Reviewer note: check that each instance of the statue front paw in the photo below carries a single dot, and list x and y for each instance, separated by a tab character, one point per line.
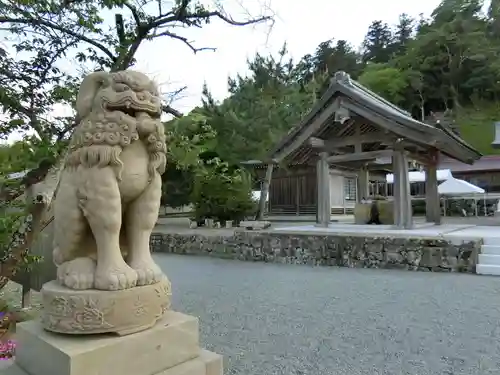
115	277
147	270
77	274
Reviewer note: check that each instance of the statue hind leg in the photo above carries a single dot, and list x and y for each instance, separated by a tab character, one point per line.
100	201
141	217
74	269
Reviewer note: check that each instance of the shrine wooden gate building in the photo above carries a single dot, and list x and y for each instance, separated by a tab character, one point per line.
352	136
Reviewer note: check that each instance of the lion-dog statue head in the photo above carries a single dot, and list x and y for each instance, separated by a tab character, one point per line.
117	109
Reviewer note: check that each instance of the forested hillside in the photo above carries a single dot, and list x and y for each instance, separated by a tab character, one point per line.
447	64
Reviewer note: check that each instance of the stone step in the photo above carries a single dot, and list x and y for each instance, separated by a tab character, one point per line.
490	250
207	363
491	241
489	259
487	269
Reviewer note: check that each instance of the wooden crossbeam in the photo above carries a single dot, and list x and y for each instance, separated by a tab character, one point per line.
351	140
310	129
360	156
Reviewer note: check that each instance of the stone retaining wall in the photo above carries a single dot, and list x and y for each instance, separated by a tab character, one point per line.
331	250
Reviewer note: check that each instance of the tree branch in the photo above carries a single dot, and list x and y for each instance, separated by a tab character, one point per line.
184	40
172	111
35	123
39	22
178	15
124	61
181	16
135	13
120	30
162	20
176	93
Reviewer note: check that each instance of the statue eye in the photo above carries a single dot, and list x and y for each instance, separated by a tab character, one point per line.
121	87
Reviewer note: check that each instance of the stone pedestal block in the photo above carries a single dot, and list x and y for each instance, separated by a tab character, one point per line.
171	347
95	311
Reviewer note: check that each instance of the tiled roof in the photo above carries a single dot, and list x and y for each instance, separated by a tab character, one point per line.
385	112
486	163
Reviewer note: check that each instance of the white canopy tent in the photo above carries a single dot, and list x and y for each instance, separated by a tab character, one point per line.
455	186
462	189
419	176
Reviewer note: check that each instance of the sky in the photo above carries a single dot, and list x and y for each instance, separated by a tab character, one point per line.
301	24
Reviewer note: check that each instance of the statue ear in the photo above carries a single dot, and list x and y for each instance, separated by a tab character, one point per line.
88	90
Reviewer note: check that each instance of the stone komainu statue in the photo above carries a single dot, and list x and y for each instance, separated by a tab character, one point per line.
110	188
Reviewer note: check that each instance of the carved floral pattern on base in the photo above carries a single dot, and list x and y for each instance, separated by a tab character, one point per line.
102	311
78	313
161	290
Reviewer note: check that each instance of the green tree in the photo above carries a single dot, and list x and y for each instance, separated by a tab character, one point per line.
222	192
188	137
377	46
386	81
42	35
14	254
78	27
402	34
261	108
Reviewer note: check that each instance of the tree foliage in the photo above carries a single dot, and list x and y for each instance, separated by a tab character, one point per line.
188	138
260	109
387	81
46	48
447	63
46	34
222	192
444	67
15	216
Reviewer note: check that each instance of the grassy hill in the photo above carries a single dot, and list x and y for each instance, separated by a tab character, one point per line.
476	125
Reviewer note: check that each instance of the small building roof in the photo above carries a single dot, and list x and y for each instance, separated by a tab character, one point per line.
326	119
488	163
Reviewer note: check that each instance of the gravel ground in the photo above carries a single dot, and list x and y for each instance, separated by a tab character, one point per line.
299	320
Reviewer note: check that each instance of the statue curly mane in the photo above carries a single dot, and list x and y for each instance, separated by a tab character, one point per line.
106	129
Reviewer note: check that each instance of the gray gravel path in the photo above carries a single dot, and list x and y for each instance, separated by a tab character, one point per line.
297	320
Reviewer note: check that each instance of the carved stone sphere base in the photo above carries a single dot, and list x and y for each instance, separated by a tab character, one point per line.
96	311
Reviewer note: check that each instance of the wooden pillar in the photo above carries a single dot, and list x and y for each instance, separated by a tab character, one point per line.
264	192
26	289
403	217
363	184
323	181
406	194
396	183
432	206
297	195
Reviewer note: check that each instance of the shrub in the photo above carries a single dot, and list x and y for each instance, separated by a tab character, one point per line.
222	192
15	224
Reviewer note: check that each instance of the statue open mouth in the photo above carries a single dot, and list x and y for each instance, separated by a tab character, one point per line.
134	110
